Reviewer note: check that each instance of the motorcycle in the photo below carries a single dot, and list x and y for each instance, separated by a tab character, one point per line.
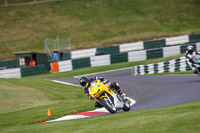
196	63
108	97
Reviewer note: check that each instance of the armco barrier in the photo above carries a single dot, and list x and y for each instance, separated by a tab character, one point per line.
155	53
194	38
134	46
10	73
146	45
177	40
100	60
154	44
137	56
109	50
79	63
83	53
65	66
121	57
131	47
174	65
171	51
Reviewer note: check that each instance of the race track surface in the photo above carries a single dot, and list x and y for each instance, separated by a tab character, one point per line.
153	91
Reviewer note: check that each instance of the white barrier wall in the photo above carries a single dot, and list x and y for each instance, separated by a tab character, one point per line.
177	40
10	73
183	64
131	46
161	67
65	66
137	56
151	68
100	60
171	51
198	46
83	53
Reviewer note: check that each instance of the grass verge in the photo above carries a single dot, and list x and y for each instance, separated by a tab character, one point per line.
182	118
27	100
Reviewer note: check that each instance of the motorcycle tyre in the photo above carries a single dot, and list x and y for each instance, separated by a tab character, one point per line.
126	108
104	103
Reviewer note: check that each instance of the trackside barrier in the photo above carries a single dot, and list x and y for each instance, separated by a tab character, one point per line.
177	40
131	46
137	51
10	73
79	63
171	51
61	66
103	60
9	64
109	50
34	70
65	66
134	46
83	53
174	65
137	56
100	60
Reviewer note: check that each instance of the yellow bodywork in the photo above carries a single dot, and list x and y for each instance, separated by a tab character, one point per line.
98	89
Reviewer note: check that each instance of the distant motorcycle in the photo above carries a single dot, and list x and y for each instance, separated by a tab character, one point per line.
196	63
109	98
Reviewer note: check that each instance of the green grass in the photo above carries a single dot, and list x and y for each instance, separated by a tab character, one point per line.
94	23
177	119
26	101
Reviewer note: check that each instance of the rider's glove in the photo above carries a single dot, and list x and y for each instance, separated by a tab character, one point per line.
90	97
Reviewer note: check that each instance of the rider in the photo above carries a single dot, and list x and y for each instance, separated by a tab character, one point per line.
85	82
190	53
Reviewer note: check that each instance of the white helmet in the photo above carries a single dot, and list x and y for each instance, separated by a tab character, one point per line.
190	49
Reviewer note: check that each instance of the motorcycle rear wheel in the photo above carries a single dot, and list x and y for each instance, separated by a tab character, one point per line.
109	106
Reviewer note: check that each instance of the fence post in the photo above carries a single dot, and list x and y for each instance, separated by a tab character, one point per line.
6	4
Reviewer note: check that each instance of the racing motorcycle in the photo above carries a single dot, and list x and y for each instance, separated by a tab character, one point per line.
196	63
108	97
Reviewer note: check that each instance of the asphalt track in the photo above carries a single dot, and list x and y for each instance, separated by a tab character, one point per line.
153	91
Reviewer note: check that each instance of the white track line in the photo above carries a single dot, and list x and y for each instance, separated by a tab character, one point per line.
62	82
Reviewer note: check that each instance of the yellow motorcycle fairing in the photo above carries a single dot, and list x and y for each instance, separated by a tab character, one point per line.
98	91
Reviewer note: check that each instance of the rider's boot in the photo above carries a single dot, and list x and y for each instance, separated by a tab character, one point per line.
117	88
194	70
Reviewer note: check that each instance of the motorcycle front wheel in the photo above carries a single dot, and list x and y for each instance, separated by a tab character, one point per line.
108	105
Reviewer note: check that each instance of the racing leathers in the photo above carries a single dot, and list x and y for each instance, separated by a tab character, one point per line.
104	81
189	56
